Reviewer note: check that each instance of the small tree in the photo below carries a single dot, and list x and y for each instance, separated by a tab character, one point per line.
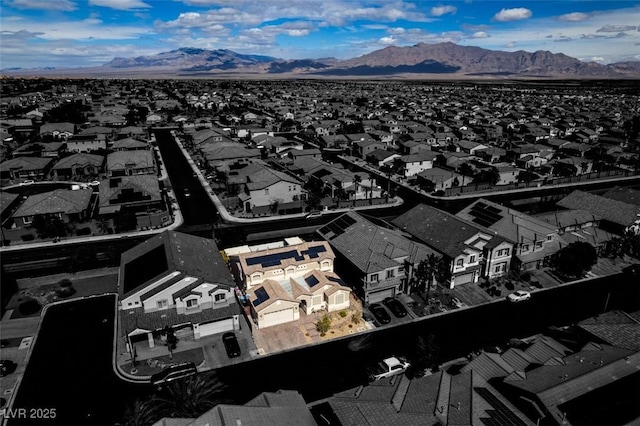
65	288
574	259
323	325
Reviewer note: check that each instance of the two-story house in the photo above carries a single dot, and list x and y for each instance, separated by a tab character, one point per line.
378	260
175	280
412	164
471	251
535	241
281	280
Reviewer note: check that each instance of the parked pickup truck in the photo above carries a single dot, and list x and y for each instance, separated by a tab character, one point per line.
388	367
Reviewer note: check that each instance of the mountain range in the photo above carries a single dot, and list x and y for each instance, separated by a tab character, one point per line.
421	60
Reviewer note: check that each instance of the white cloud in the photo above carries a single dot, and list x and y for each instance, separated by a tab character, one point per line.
397	30
443	10
120	4
480	34
387	40
516	14
61	5
87	29
574	17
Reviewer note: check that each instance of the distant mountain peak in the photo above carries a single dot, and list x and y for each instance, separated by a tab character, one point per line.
419	59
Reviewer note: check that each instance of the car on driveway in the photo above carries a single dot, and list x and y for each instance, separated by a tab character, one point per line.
187	193
231	344
380	313
395	307
27	182
519	296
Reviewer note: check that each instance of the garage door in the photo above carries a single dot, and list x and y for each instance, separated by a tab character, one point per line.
463	279
379	296
216	327
277	317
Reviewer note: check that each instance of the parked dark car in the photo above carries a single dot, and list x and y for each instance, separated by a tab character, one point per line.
395	307
380	313
7	367
231	345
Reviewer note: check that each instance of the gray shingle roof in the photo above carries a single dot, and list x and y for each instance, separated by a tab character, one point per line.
615	211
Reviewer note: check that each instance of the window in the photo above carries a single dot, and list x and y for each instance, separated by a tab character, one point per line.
220	297
27	219
339	298
472	259
163	304
374	278
390	273
192	303
500	267
266	192
503	252
459	263
538	244
525	247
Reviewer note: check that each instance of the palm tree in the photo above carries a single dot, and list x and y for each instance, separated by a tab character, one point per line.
142	413
190	397
357	179
426	272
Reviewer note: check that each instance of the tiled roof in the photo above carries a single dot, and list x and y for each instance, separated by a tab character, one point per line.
371	247
565	218
147	185
545	348
58	201
560	377
281	258
156	320
26	163
81	159
512	224
139	158
440	230
194	256
618	212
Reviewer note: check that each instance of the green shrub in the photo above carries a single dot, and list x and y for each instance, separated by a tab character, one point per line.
343	314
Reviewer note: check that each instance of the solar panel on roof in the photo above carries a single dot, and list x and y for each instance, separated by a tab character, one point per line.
501	414
261	296
338	226
274	258
314	251
311	280
484	215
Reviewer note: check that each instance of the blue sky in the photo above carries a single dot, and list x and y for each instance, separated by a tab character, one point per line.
73	33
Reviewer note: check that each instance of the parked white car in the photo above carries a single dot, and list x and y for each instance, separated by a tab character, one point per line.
388	367
519	296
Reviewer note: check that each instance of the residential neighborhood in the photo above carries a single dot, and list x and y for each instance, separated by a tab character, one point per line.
268	242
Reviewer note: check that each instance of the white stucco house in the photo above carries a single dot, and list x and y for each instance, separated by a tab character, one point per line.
284	279
175	280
